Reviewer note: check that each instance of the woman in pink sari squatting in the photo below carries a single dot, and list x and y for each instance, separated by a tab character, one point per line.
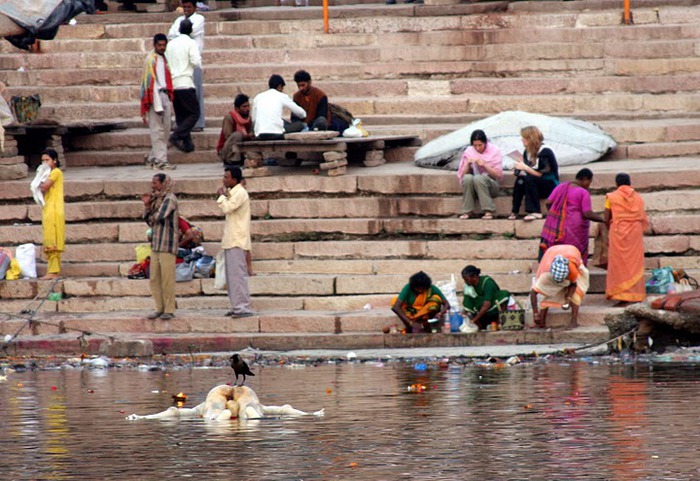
480	170
569	215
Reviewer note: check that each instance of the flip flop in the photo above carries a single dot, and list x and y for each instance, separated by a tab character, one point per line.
533	216
513	217
465	216
487	216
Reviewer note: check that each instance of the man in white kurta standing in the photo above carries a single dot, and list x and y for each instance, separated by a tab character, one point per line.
235	204
189	8
156	107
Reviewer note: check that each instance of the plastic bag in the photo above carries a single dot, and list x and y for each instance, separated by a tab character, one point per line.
220	275
204	267
26	256
14	271
468	326
184	271
143	251
660	280
5	259
449	290
356	130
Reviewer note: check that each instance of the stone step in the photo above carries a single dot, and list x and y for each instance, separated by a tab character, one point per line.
371	54
139	344
612	38
127	183
268	321
123	158
363	216
105	158
280	258
403	88
659	131
434	104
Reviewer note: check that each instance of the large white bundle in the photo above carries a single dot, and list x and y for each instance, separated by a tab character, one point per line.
574	141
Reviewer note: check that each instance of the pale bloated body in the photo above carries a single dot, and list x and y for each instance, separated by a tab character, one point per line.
226	402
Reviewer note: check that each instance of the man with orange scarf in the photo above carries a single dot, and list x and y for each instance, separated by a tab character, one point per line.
626	219
156	98
236	127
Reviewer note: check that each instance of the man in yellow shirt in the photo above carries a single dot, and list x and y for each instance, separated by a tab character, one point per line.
235	204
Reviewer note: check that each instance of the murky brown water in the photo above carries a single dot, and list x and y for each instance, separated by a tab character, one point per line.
528	422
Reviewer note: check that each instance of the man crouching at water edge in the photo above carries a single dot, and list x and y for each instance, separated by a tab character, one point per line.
562	280
228	402
418	302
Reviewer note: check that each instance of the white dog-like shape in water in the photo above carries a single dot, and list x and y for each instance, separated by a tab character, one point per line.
228	402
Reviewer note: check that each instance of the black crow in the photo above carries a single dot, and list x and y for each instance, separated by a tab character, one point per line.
240	367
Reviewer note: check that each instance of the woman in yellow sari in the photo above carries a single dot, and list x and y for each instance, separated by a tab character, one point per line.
419	301
53	219
626	219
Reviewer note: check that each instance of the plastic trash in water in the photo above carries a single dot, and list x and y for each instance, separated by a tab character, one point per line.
99	362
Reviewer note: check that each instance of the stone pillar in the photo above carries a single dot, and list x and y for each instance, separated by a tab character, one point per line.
335	163
253	165
373	158
12	166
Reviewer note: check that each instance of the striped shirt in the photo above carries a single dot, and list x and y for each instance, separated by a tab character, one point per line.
164	225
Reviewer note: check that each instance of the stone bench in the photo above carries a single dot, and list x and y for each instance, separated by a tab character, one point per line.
26	141
335	151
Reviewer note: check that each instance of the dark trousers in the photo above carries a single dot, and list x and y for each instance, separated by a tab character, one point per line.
533	189
289	127
186	107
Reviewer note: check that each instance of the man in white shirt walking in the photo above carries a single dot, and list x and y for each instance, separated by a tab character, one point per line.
268	107
183	57
189	8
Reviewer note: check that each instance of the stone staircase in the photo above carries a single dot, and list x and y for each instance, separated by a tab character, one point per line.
324	248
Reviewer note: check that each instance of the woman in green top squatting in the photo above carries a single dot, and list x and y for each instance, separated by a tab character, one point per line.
482	297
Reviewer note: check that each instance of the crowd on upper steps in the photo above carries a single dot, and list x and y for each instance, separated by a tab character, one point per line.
172	81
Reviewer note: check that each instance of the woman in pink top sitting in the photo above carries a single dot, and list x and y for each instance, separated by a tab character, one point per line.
479	171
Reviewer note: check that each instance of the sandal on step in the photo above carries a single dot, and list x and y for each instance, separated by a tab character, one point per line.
465	216
487	216
532	216
513	217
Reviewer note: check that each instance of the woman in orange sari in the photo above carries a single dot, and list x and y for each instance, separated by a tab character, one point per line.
626	219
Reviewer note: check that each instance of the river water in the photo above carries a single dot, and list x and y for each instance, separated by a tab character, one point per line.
595	420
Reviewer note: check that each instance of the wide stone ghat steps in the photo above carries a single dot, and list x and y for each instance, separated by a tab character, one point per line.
562	70
323	249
